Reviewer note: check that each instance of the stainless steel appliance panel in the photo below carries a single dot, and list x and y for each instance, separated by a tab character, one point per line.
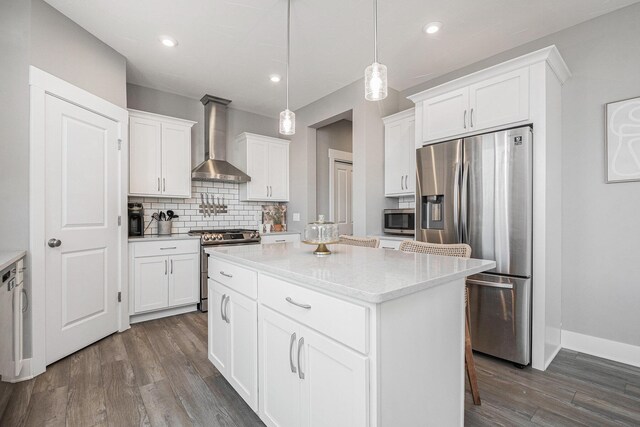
496	199
500	321
399	221
438	169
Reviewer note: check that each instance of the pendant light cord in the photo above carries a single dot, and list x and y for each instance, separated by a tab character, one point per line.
288	45
375	30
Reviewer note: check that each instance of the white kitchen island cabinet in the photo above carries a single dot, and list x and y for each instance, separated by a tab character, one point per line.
363	337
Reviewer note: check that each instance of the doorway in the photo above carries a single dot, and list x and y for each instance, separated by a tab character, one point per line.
334	173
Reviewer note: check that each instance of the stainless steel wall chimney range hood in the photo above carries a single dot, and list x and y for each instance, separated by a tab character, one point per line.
215	166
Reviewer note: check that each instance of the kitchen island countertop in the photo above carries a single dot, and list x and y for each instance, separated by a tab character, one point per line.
370	275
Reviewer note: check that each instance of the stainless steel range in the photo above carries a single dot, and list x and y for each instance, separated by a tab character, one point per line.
219	237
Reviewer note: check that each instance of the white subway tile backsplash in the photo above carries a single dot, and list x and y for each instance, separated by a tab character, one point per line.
406	202
239	214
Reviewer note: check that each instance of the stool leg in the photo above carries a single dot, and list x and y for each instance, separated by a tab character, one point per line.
470	364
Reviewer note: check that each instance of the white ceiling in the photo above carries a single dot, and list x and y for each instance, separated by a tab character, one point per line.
229	48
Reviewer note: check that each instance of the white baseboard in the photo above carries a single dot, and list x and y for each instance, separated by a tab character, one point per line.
600	347
136	318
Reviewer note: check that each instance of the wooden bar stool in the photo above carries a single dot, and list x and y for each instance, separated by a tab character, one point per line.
461	250
366	242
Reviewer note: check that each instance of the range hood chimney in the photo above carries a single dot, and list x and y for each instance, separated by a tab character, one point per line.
215	166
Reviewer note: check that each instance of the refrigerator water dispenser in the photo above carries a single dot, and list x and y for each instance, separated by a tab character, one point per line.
433	212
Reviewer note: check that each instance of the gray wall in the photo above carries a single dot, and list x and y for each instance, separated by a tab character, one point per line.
61	47
368	156
336	136
14	123
600	226
169	104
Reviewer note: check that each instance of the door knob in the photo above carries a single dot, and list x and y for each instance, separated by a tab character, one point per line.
54	243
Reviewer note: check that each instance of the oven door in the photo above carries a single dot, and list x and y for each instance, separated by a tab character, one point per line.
399	221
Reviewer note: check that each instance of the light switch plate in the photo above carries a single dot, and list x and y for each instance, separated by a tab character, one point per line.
296	216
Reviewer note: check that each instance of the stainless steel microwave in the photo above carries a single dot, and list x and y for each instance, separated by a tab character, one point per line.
399	221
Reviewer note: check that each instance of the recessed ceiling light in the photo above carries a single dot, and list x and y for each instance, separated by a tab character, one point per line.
275	78
432	27
168	41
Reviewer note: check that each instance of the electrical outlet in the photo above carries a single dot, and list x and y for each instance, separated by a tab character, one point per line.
296	216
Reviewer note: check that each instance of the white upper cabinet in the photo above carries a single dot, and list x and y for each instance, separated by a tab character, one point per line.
399	154
159	155
266	161
488	103
499	101
446	115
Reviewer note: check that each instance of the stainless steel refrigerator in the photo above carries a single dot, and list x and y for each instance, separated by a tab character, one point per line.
479	191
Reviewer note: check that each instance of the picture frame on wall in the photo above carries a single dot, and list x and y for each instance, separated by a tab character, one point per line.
622	142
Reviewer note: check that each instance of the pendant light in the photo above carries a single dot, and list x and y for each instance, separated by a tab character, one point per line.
375	76
288	117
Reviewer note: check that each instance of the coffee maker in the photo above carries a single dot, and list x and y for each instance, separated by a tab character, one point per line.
136	219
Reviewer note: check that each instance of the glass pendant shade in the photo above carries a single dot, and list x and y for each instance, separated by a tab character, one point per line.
287	122
375	82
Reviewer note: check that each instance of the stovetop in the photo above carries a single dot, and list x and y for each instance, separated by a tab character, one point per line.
224	236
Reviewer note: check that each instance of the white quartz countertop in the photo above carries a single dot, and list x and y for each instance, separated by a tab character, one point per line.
157	238
371	275
9	257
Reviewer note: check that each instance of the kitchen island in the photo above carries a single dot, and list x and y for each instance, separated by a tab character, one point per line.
362	337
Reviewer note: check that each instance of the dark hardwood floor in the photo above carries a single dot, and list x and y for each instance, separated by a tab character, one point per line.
157	374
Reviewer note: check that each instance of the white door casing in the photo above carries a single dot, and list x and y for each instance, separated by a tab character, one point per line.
343	197
336	156
82	209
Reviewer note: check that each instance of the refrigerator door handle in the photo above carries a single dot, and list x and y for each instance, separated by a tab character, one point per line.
463	203
456	200
490	284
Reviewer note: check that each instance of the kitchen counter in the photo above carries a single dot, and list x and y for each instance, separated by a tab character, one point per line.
9	257
157	238
369	275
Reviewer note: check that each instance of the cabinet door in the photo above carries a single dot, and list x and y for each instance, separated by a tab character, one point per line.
176	160
279	172
279	383
151	283
409	151
184	279
335	388
394	158
243	347
218	330
446	115
499	101
144	156
258	169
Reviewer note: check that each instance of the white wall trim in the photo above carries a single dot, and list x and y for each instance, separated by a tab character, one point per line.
336	156
601	347
42	84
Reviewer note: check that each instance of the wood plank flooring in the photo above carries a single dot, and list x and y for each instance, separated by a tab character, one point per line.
157	374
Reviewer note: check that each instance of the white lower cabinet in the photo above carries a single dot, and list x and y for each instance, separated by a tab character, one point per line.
269	348
307	379
232	340
164	275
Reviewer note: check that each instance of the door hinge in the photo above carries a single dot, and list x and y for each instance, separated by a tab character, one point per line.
119	220
119	296
119	144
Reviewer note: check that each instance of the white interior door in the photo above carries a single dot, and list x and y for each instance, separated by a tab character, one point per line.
81	193
343	197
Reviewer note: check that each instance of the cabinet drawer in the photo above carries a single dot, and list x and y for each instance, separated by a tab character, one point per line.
167	247
275	238
390	244
340	320
235	277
